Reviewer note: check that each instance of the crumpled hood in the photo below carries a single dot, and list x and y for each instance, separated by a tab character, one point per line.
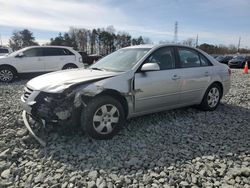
56	82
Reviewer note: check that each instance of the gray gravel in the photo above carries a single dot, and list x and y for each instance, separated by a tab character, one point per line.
178	148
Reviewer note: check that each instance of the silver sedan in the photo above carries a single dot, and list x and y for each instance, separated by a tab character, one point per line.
130	82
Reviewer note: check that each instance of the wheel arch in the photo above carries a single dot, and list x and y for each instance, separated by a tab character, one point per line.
220	85
67	64
117	95
10	66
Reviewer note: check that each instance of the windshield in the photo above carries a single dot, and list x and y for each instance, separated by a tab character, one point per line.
121	60
16	52
239	58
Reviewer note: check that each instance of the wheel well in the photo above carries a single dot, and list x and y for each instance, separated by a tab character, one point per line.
69	64
219	84
9	66
117	96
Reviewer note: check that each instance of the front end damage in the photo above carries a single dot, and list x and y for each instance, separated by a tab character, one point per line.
51	108
65	106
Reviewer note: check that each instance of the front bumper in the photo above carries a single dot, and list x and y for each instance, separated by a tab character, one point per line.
26	123
47	109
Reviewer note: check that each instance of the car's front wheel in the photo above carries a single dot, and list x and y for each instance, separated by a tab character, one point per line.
212	97
7	74
103	117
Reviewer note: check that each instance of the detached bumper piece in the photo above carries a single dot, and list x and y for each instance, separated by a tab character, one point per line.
26	123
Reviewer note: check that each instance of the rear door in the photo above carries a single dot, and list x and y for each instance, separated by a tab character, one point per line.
195	75
157	90
56	58
31	61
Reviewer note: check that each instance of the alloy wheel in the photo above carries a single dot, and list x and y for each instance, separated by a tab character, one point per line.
6	75
213	97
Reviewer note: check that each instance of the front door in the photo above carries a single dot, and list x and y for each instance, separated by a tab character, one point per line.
155	90
31	61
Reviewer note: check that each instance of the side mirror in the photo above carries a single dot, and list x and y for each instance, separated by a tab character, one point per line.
150	67
20	55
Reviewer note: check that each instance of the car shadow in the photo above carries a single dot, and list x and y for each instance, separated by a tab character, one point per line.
28	76
157	140
21	79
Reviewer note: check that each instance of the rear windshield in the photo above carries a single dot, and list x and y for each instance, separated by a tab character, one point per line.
3	50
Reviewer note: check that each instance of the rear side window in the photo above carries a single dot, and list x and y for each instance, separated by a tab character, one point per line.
164	57
204	61
56	52
34	52
191	58
67	52
5	51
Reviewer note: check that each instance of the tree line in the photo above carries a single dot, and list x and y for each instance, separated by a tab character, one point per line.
216	49
104	41
96	41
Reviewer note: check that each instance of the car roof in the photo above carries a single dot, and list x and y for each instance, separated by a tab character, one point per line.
151	46
68	47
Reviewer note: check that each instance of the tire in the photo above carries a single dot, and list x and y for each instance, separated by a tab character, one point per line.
7	74
212	98
69	66
103	117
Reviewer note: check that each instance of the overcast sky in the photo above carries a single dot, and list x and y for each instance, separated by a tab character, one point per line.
215	21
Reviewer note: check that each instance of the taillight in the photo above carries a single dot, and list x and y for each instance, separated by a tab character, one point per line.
229	72
80	59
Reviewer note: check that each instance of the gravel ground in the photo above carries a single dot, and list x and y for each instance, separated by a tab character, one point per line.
177	148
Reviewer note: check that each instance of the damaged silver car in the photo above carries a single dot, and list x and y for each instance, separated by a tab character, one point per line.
130	82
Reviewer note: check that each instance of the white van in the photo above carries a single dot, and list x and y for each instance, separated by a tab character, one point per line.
38	59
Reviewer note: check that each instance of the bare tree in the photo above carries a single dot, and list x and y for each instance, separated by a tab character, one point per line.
21	39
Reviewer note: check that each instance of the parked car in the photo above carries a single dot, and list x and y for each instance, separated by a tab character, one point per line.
38	59
130	82
224	59
239	61
89	59
4	50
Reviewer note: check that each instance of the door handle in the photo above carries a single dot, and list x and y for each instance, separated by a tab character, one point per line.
206	73
175	77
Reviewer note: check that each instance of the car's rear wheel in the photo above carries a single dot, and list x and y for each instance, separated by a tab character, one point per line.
103	117
69	66
212	97
7	74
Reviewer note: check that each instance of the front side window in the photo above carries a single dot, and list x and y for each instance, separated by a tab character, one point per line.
34	52
164	57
